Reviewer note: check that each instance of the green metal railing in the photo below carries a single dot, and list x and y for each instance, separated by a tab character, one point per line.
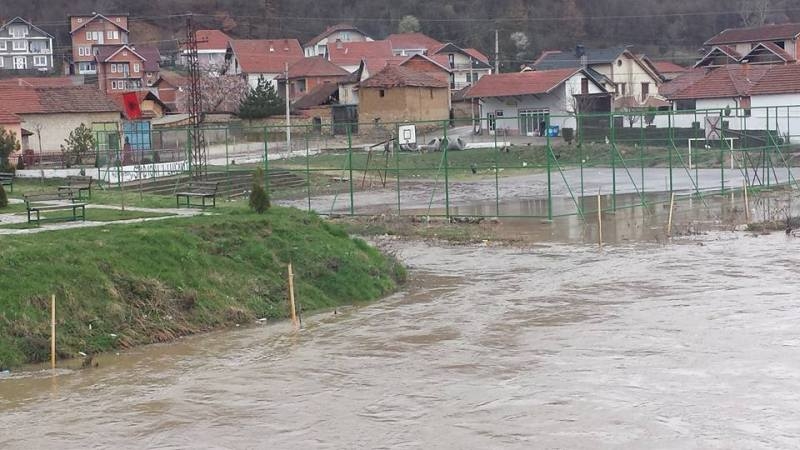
498	168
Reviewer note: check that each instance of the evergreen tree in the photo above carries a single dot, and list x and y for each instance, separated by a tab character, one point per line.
261	101
259	198
80	142
8	145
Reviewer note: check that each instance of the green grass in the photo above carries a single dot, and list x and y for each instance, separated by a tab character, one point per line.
109	196
92	214
124	285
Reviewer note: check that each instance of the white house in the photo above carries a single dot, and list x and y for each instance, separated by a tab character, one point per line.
619	70
211	48
256	58
467	65
747	97
523	103
318	45
24	46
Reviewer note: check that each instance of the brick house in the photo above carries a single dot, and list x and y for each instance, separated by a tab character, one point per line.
211	48
24	46
400	94
308	73
88	32
256	58
318	45
467	65
172	89
125	67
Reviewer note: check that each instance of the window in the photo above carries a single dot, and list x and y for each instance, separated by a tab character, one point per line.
81	52
116	35
40	61
109	34
19	45
345	35
451	58
584	86
781	44
19	31
645	91
1	61
136	67
622	88
431	91
88	35
382	93
686	105
113	68
619	63
2	45
80	20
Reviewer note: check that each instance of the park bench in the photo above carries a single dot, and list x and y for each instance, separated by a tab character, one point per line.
76	185
197	189
54	201
7	179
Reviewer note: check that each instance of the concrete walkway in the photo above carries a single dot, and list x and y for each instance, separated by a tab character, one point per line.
174	213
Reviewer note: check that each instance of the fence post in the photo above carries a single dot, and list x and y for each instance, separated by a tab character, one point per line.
549	171
308	168
496	177
266	161
721	161
188	149
396	150
671	138
447	174
350	164
613	165
641	150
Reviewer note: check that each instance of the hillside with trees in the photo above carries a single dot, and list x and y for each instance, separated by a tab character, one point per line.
668	30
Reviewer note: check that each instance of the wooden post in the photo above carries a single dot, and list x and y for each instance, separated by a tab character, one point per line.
599	221
53	332
746	205
292	308
671	208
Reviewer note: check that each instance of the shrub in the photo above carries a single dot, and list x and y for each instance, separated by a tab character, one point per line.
259	199
3	197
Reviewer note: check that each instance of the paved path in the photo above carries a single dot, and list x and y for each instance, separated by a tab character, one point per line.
175	213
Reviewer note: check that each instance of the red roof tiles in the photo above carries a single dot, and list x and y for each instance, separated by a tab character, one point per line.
9	118
351	53
212	40
412	41
315	66
756	34
475	53
266	55
330	30
396	76
521	83
668	67
81	99
37	82
736	81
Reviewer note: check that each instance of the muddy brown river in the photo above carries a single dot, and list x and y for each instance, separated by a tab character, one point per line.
553	346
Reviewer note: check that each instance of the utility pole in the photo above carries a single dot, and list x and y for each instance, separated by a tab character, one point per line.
288	115
198	151
472	83
496	51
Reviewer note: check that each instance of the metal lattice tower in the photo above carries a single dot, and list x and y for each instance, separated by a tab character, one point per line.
199	152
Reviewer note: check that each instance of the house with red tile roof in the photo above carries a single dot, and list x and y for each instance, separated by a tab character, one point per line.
52	112
172	89
523	103
407	44
88	31
126	67
308	73
749	93
38	82
401	94
467	66
742	40
348	55
211	48
344	32
257	58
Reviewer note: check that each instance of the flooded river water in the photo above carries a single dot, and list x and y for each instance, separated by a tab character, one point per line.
554	346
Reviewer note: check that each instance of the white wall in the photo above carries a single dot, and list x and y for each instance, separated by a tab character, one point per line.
55	128
559	102
252	79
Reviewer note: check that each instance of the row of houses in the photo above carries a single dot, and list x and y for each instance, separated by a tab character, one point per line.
343	75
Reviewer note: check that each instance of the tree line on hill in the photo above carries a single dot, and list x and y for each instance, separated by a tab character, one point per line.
667	30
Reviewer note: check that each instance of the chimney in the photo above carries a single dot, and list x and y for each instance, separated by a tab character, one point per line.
580	53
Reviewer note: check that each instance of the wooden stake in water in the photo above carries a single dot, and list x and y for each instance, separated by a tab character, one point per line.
292	308
671	208
746	205
53	332
599	221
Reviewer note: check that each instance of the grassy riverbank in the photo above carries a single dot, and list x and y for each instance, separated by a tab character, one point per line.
125	285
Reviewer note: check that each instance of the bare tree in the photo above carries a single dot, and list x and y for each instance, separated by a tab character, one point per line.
753	12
